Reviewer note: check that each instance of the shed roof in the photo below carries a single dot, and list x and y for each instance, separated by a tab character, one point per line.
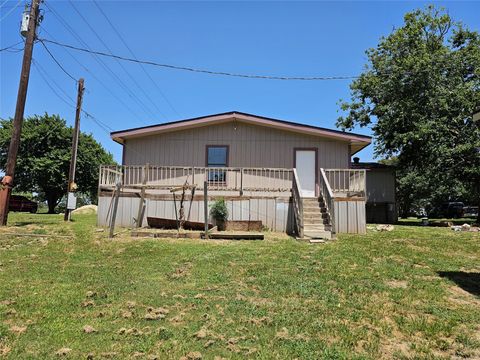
356	141
371	165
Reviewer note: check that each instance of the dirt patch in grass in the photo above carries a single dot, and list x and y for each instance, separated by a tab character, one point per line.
462	297
397	284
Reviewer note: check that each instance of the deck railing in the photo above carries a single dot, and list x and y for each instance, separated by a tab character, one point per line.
217	178
328	197
297	203
346	182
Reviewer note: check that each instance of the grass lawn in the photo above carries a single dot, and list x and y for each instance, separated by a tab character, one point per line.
410	293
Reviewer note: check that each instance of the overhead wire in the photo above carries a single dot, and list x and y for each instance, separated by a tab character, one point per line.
44	76
11	46
57	62
117	32
69	100
132	94
11	10
204	71
95	57
95	77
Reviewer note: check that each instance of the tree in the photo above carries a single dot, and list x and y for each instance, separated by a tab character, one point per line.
418	93
44	158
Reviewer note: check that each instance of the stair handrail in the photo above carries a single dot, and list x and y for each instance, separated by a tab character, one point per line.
297	203
328	197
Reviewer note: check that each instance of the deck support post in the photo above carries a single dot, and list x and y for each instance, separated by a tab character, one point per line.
205	207
115	207
241	181
141	205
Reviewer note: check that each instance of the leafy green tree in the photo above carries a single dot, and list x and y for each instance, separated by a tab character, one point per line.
44	158
417	93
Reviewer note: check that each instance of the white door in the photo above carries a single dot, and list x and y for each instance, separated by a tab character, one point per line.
306	169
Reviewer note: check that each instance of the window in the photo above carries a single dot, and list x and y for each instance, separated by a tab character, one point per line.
217	157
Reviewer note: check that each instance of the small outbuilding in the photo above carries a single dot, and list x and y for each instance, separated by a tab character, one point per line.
381	206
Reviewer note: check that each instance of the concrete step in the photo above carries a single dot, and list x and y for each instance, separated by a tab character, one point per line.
310	215
318	216
315	227
315	235
316	222
317	241
310	201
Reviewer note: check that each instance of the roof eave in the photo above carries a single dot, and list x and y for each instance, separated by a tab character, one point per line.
120	136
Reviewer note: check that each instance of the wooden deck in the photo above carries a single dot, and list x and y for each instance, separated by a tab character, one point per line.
252	194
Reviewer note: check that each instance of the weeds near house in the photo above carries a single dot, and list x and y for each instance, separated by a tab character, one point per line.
413	292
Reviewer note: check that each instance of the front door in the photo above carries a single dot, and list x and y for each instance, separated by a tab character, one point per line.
305	163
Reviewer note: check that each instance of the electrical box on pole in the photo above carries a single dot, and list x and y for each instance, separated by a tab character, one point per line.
25	21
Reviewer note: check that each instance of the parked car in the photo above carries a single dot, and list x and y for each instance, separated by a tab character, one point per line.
470	211
21	203
452	209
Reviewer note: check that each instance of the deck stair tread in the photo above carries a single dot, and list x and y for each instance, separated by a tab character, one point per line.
316	221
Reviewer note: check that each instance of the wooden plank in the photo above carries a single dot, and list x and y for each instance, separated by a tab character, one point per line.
236	236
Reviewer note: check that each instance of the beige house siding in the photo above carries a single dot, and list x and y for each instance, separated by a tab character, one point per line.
380	185
249	146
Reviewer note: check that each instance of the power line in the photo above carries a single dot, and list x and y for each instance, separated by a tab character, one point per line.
203	71
11	10
57	62
44	76
96	58
69	100
133	54
97	79
133	95
11	46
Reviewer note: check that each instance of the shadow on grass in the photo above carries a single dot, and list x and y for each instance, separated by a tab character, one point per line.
468	281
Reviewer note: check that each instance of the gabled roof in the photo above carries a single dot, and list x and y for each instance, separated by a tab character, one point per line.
356	141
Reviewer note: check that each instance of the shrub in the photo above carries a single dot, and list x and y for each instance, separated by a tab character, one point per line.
219	210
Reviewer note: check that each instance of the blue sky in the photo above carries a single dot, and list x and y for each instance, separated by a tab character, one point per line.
272	38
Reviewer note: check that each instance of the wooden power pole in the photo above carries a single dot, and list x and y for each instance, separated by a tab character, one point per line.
76	133
7	181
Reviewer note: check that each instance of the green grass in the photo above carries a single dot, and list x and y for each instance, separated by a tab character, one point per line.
410	293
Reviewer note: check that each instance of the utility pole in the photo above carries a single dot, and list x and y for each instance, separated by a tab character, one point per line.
7	181
73	162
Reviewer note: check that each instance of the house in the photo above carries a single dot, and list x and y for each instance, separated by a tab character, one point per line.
381	206
293	177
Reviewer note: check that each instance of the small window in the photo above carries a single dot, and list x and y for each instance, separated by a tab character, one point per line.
217	157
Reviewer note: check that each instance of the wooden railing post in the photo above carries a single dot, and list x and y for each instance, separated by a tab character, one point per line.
297	203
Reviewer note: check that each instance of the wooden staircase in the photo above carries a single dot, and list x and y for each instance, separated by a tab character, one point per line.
316	220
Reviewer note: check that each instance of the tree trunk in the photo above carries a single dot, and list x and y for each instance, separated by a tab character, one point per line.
52	201
478	215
